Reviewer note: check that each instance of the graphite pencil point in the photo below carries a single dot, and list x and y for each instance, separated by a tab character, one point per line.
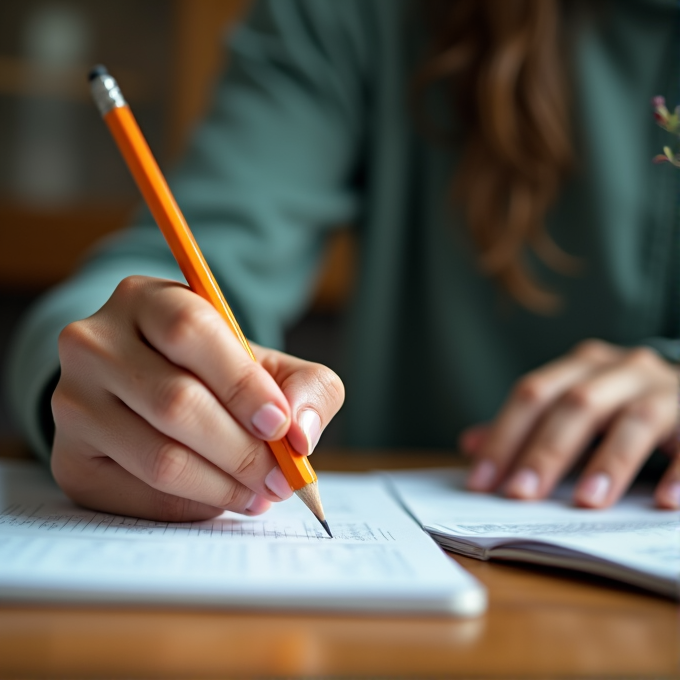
309	495
324	524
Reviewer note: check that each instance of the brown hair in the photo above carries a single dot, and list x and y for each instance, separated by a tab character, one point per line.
502	63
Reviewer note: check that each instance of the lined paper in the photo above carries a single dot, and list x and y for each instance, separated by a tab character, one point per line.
379	560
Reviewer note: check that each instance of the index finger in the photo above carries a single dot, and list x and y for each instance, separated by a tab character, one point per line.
191	334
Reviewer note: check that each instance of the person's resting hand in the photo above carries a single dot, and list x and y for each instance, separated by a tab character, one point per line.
629	397
160	413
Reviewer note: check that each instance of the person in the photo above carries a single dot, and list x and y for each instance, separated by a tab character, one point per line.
518	270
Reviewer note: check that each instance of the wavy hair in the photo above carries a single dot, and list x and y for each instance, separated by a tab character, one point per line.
501	61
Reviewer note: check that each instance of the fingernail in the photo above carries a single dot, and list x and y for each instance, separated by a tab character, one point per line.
482	476
310	424
269	420
523	484
257	505
594	489
672	494
278	484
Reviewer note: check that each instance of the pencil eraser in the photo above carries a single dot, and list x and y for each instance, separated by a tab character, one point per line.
97	71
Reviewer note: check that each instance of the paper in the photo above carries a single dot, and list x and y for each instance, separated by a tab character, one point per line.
379	559
633	540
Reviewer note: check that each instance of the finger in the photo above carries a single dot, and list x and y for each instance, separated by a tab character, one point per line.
181	407
472	439
160	462
190	333
315	394
570	425
667	493
528	402
99	483
627	444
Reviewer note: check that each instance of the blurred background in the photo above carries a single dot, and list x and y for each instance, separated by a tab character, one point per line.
63	184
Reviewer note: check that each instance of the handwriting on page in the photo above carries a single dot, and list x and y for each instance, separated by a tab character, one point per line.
38	519
379	558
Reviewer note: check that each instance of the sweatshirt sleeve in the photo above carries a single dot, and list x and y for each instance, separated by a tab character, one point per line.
269	173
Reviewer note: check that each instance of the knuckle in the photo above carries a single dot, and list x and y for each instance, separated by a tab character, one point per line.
580	398
129	286
642	357
187	323
75	338
84	344
168	467
531	390
649	413
232	497
248	460
594	350
179	399
242	382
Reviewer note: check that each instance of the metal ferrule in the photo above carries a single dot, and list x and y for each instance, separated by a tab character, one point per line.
106	94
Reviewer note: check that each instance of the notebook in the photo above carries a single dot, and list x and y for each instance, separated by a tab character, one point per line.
379	561
633	541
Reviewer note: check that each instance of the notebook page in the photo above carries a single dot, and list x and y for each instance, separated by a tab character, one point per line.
379	559
633	533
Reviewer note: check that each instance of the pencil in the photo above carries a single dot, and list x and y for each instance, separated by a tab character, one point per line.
151	183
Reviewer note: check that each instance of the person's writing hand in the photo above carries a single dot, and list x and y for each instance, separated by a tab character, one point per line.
161	414
627	396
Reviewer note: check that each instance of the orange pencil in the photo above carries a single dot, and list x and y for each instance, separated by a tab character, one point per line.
149	178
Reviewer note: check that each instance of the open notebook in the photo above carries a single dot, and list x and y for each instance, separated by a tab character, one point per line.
380	560
632	542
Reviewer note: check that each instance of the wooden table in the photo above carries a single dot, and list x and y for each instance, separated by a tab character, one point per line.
540	624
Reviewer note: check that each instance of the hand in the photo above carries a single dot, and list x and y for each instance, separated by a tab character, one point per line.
628	396
161	414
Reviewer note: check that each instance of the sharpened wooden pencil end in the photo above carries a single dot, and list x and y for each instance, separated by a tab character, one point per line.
309	495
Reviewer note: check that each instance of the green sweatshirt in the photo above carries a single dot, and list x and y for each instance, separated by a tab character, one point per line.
310	129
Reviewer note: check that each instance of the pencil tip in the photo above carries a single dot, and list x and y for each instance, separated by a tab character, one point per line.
97	71
309	495
324	524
